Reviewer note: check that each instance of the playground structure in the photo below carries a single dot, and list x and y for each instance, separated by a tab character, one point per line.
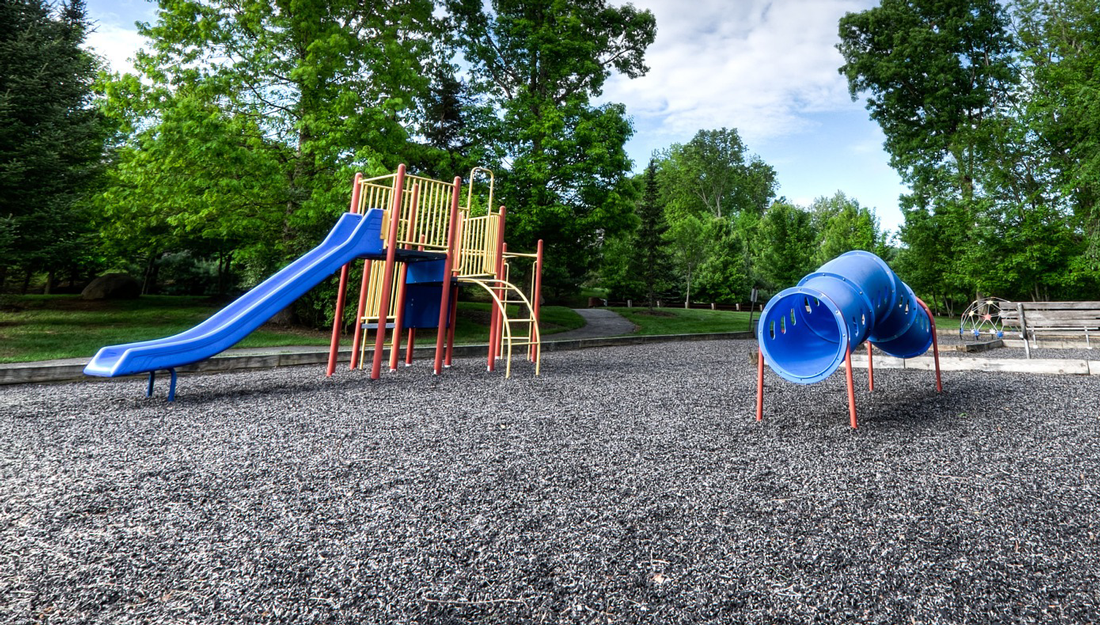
806	331
434	246
984	316
417	244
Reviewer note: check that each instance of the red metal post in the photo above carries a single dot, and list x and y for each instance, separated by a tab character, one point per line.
364	289
759	385
445	297
399	318
409	347
387	275
851	388
935	344
338	317
536	297
870	368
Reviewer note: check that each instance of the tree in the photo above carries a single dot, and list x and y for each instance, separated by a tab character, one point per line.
933	71
843	225
324	86
939	76
724	277
690	247
650	260
199	181
713	174
261	112
538	64
1060	42
51	137
784	246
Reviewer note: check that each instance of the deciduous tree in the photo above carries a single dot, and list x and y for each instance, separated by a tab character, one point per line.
539	64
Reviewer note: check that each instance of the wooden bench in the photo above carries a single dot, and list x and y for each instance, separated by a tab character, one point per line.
1031	319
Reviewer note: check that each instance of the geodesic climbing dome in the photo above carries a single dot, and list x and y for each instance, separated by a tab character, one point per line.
984	317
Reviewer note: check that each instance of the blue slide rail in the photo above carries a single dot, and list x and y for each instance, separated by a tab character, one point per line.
805	331
352	237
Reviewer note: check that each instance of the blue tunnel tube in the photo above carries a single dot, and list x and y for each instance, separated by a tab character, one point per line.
805	331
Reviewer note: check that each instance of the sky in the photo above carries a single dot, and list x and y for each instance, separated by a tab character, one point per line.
766	68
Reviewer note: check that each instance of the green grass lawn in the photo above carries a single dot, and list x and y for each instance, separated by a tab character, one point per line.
685	321
45	327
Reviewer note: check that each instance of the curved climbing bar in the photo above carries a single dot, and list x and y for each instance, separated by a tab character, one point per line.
806	331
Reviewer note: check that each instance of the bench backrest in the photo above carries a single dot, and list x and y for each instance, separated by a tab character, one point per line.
1053	315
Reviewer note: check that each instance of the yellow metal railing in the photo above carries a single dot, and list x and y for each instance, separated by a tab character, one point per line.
471	208
478	245
425	213
374	294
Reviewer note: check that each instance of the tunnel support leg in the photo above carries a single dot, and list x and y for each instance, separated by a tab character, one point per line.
759	385
935	344
870	368
851	389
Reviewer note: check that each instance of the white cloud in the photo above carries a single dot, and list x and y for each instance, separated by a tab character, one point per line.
749	64
116	44
114	36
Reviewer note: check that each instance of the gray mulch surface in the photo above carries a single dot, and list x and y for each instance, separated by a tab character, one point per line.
624	485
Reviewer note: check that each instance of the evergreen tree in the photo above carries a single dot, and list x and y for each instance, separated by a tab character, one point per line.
51	138
651	261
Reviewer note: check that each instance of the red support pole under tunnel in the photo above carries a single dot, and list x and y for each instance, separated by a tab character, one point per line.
759	385
870	367
851	389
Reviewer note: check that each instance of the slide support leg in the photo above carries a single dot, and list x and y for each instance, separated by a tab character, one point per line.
388	273
172	386
152	377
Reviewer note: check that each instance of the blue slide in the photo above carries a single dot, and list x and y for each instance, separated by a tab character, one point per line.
352	237
806	331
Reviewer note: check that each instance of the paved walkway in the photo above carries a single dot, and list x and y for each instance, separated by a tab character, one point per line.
599	323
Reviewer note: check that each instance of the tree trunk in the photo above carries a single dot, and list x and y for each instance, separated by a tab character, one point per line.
149	284
224	262
26	281
51	277
687	300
